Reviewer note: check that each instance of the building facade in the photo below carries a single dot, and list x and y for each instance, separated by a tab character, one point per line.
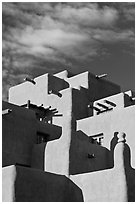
75	133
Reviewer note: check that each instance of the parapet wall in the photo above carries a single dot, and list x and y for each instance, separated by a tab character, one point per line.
69	126
20	131
38	91
108	124
21	184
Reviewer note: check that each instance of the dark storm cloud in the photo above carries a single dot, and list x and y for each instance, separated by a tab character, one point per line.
39	35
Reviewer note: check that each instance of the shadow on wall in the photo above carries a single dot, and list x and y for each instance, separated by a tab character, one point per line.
129	100
37	158
130	174
33	185
113	143
80	103
100	158
88	157
129	171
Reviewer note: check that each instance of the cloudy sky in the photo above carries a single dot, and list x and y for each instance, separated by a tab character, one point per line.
50	37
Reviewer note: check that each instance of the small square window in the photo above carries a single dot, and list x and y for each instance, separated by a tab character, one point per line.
42	138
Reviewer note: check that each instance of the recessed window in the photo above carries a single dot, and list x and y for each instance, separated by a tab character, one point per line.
42	138
97	139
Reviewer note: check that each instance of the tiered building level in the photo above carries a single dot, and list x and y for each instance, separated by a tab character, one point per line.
68	139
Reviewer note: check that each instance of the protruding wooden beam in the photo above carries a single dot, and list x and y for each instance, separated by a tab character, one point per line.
30	80
55	92
110	103
93	107
132	98
101	76
102	105
6	111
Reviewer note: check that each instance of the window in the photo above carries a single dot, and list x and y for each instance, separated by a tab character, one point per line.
42	138
97	139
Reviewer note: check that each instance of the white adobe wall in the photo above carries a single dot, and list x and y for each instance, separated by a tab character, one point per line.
57	151
62	75
121	120
112	185
79	80
118	101
8	181
101	186
38	93
23	92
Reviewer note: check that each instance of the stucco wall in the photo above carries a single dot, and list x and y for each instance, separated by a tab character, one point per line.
129	97
8	183
80	151
96	88
119	101
19	130
37	93
57	151
37	159
57	84
67	153
79	80
62	75
31	185
100	88
112	185
109	123
100	186
80	104
19	133
52	130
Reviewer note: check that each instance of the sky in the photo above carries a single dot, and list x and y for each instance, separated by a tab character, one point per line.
40	37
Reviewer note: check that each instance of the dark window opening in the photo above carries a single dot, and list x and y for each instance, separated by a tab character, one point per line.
42	138
96	139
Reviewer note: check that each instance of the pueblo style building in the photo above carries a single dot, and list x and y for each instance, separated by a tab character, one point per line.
68	139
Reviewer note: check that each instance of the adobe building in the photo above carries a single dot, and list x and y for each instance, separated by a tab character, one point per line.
68	139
